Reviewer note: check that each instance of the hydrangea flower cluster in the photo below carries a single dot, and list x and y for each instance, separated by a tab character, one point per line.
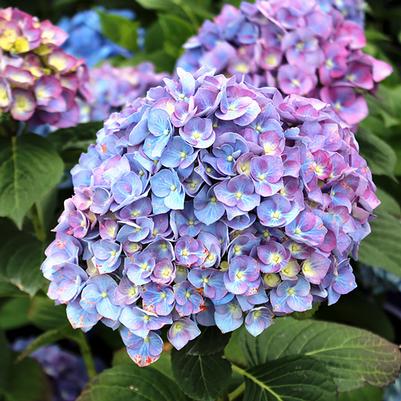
65	370
86	39
114	87
209	202
352	10
294	45
39	82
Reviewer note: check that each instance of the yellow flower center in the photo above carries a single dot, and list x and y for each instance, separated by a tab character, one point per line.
276	215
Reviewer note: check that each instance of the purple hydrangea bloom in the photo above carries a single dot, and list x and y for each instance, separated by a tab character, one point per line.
257	217
311	48
142	350
98	296
166	186
292	296
258	319
182	331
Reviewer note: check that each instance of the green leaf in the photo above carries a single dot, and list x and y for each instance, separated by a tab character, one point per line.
154	38
185	8
21	256
71	142
23	381
388	203
27	382
175	32
210	341
160	5
44	314
354	357
8	290
363	394
380	156
357	309
13	313
234	351
129	382
120	30
5	361
292	378
382	248
202	377
45	210
29	169
162	60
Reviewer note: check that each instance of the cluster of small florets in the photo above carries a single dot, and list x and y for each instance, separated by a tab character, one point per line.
39	82
209	202
296	45
114	87
353	10
86	39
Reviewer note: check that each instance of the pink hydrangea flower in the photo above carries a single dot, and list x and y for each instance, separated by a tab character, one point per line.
311	48
40	83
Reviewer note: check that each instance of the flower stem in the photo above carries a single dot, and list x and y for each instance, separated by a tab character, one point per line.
237	392
86	355
37	223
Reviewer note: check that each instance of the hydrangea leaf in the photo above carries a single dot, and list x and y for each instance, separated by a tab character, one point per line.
211	341
354	357
29	169
20	255
28	382
176	31
71	142
382	248
201	377
379	155
13	313
188	7
128	382
368	393
22	381
5	361
361	312
292	378
388	203
45	315
120	30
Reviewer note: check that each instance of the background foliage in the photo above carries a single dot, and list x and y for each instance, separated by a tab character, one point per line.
329	357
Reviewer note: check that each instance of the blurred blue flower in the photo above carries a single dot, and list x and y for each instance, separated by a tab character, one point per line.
393	392
86	39
65	370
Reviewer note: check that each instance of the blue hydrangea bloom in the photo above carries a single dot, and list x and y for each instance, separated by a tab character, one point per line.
86	39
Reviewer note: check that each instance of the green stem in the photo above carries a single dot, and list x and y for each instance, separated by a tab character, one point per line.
86	355
37	223
237	392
